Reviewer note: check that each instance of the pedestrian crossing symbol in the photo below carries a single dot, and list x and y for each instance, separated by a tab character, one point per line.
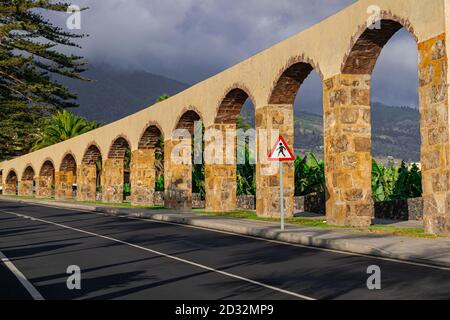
281	151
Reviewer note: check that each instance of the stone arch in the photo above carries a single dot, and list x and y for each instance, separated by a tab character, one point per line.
68	163
47	168
146	165
26	184
187	118
115	175
11	183
230	105
28	174
178	173
150	136
11	176
290	78
91	155
367	44
119	147
89	174
66	177
348	123
45	183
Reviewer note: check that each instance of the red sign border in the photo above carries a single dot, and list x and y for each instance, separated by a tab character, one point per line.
281	139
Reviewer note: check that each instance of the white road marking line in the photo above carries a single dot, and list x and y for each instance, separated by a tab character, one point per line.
417	264
150	220
23	280
167	256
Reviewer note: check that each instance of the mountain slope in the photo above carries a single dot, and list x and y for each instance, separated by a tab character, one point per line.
395	132
115	94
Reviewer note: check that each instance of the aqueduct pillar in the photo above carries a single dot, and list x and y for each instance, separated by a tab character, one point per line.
271	121
220	168
143	177
178	174
435	131
65	178
112	180
45	181
26	183
87	182
348	160
10	186
87	175
64	181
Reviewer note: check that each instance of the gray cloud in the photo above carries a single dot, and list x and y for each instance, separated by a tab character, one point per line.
191	40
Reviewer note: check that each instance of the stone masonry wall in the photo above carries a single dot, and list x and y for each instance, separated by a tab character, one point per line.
410	209
246	203
10	188
26	188
112	180
433	93
63	185
44	187
348	160
220	178
142	177
177	179
87	182
281	118
312	203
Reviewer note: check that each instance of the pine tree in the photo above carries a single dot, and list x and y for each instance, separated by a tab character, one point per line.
29	62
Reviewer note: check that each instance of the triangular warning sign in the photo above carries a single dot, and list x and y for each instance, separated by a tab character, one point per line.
281	151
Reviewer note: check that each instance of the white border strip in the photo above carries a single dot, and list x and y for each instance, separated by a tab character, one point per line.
23	280
167	256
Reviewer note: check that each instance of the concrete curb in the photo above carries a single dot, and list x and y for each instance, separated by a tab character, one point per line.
365	244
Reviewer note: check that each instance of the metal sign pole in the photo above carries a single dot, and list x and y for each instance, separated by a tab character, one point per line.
281	195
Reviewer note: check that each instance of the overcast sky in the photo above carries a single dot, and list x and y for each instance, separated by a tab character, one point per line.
191	40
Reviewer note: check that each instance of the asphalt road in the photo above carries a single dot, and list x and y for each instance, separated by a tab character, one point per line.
122	258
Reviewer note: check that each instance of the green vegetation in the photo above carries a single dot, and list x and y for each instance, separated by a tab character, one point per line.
319	223
162	98
396	182
30	59
388	182
246	173
61	127
309	175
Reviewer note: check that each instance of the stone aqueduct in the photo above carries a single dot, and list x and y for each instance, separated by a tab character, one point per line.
343	50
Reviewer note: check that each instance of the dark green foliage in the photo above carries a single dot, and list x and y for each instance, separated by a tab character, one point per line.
126	190
395	182
246	173
198	180
159	183
162	98
309	175
61	127
28	61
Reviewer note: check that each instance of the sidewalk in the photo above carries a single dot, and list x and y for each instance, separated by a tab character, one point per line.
427	251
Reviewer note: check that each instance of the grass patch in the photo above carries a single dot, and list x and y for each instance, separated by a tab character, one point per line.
406	232
319	223
122	205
